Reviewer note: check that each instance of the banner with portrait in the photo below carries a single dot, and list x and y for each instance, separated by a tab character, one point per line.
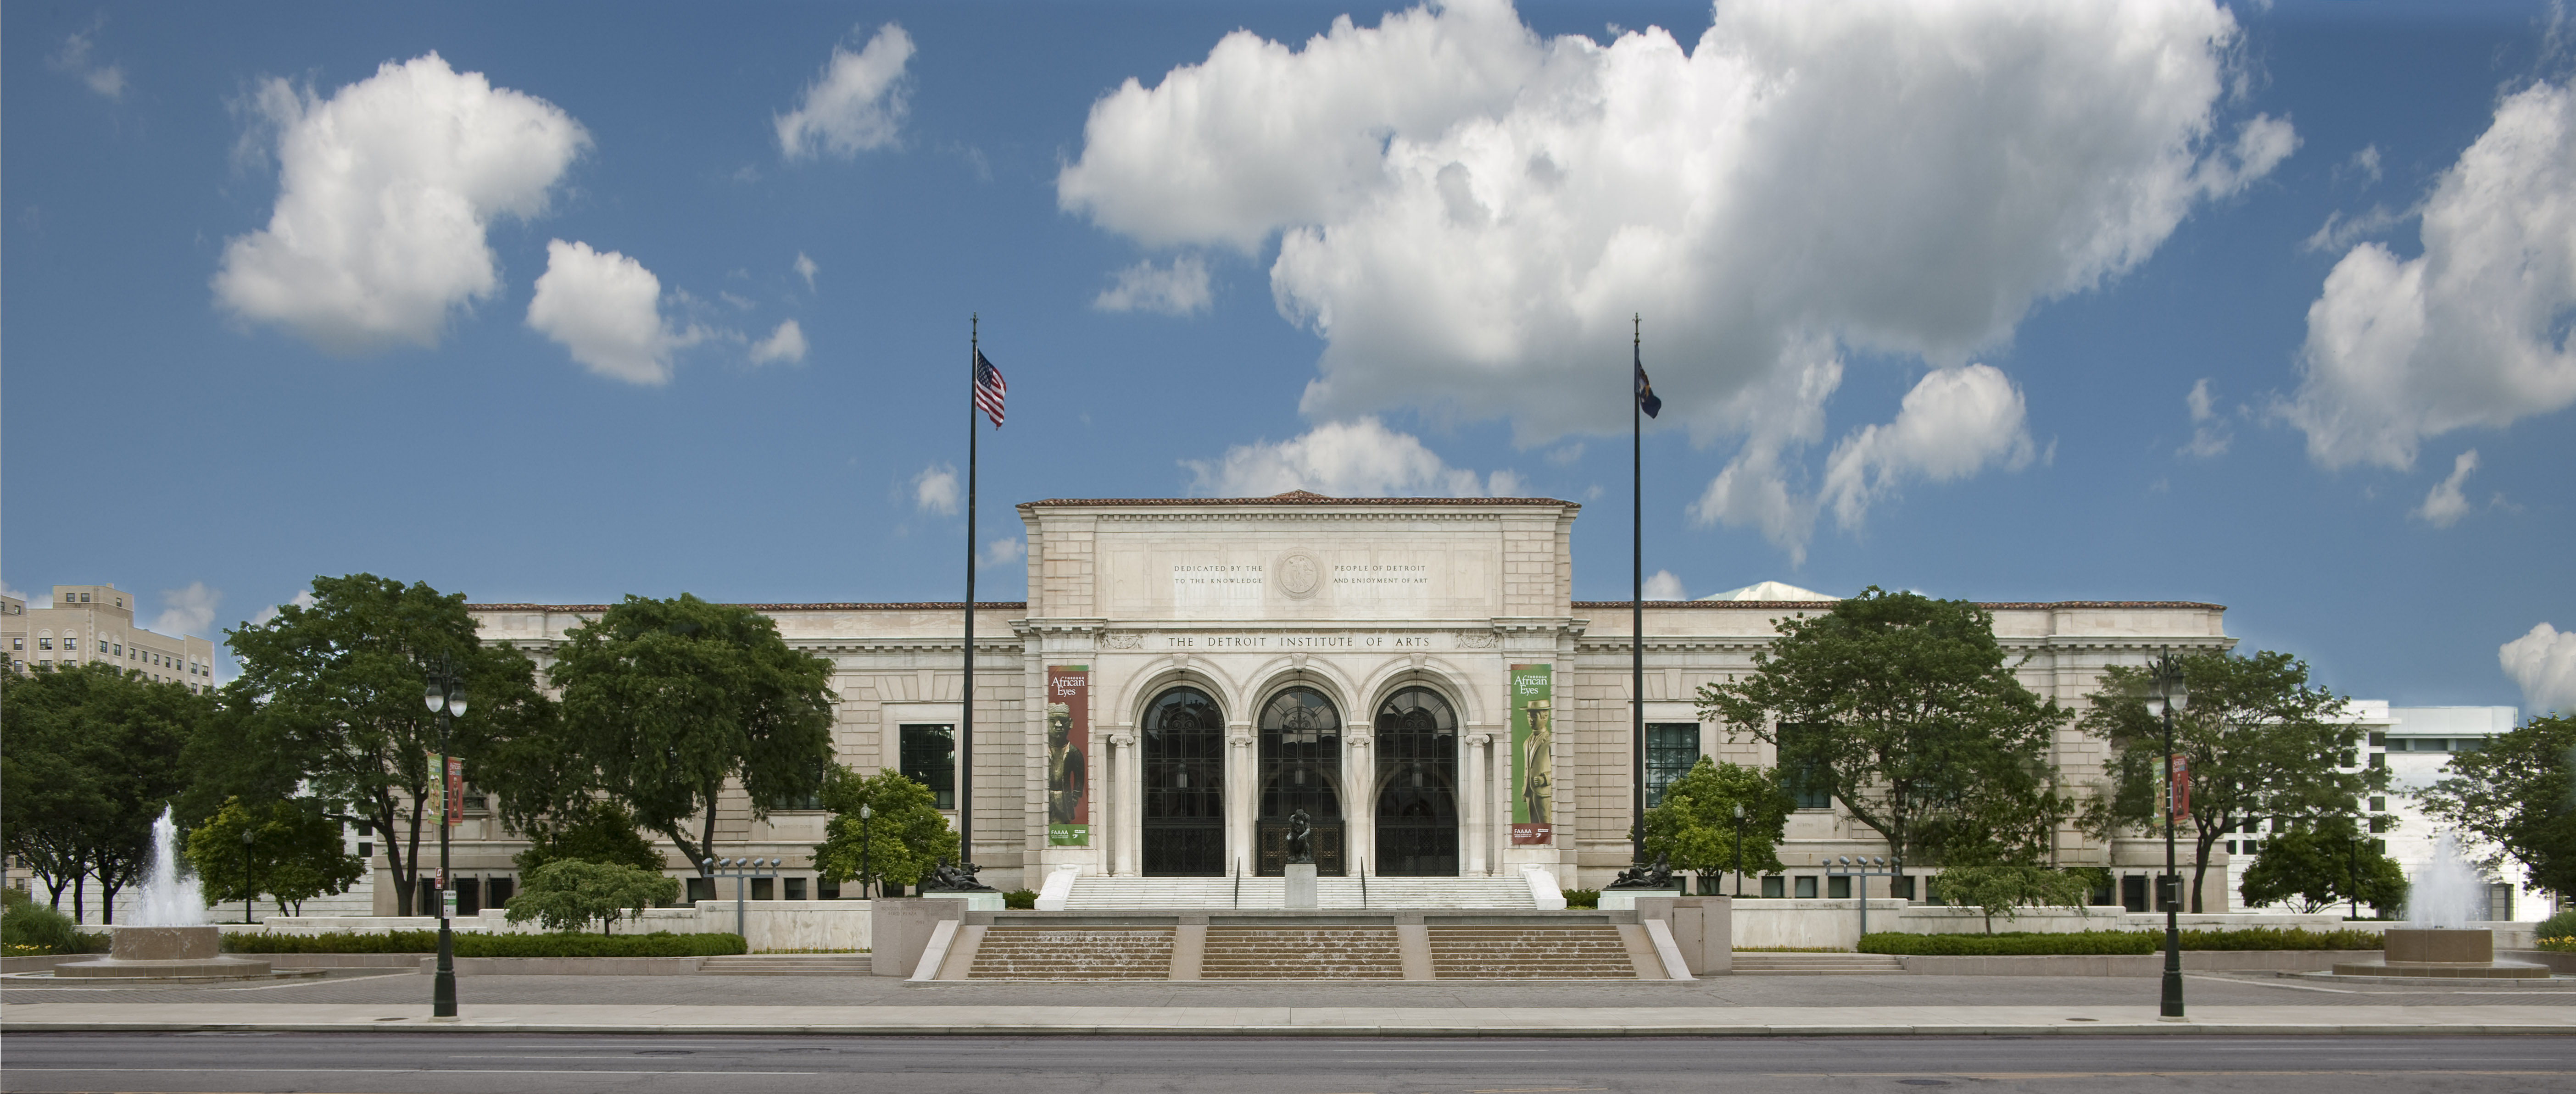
1068	737
1533	755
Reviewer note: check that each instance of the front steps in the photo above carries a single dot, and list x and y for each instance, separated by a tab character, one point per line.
1571	952
786	964
1816	964
1380	947
1094	894
1323	953
1016	952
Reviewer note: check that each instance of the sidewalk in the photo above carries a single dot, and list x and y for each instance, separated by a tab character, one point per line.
1292	1021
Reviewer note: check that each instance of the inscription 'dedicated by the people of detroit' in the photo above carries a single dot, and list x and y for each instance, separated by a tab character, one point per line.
1346	577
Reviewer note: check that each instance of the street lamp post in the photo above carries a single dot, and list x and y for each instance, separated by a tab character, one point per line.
249	886
446	698
867	869
2166	694
1739	850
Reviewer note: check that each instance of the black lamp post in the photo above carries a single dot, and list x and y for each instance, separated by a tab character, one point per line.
250	886
1739	850
446	698
2165	695
867	869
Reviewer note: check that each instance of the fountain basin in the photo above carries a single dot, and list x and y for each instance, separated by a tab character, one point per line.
2442	954
167	953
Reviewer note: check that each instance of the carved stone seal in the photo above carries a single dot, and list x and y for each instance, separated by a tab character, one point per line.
1299	575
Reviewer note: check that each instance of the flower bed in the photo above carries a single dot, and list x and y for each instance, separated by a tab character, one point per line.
2032	944
657	944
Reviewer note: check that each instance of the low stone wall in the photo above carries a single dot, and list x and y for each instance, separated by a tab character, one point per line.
568	966
2143	964
1810	924
766	924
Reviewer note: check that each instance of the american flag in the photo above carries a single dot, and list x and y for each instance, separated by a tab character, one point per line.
989	388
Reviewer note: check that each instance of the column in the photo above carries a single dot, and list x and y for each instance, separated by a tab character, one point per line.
1359	804
1242	798
1475	809
1124	806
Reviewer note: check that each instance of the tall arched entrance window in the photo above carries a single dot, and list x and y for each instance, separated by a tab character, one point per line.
1417	785
1300	768
1184	786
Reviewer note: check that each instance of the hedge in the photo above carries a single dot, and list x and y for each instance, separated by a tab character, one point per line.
2034	944
476	944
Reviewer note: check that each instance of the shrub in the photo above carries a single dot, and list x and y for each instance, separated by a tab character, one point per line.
1020	898
2561	926
657	944
31	928
569	894
1583	898
2033	944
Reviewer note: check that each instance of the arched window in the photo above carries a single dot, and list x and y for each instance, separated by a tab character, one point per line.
1417	785
1184	785
1301	768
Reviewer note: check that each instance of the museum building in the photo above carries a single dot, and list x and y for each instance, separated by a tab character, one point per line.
1413	673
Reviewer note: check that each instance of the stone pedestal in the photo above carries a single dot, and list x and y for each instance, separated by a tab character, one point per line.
1626	899
167	953
975	902
2442	954
1301	887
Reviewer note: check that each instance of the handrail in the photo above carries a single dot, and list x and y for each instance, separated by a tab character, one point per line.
1364	885
1238	883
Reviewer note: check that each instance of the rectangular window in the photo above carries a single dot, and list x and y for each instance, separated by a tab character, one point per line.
2378	759
1805	784
762	890
17	643
497	892
44	643
2379	824
701	888
1774	887
1671	749
2378	804
71	643
1902	888
929	757
1807	887
826	889
795	888
1838	888
366	849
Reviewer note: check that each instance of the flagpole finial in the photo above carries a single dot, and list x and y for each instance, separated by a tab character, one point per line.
1637	329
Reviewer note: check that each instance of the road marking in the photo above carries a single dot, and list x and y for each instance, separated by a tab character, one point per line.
2130	1074
381	1071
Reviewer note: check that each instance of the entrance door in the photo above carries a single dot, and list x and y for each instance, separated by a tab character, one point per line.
1301	768
1417	780
1184	786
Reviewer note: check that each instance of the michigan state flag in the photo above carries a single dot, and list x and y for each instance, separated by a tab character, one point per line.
1646	400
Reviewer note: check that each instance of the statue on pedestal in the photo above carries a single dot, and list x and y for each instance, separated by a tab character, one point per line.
1301	838
1654	875
960	878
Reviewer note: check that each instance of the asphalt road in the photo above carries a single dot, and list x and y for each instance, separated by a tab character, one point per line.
435	1063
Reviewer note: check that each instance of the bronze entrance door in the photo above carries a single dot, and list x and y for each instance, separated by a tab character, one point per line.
1417	785
1184	786
1300	768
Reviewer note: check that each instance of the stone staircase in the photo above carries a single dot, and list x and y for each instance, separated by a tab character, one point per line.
1319	953
1063	953
1816	964
1331	893
1570	952
786	964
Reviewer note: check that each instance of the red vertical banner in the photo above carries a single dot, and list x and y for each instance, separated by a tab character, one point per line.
455	790
2179	781
1068	721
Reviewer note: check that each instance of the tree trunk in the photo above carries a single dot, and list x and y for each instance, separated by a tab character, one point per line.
80	885
385	817
2200	864
107	900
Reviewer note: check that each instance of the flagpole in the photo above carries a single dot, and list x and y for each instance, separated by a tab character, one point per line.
1637	596
966	735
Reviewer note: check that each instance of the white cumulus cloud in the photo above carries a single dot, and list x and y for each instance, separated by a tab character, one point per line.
36	600
1177	289
607	309
856	105
385	191
1004	552
1955	423
935	490
2543	662
2473	331
787	343
269	614
805	268
188	611
2446	503
1664	586
1469	214
74	57
1361	458
2209	434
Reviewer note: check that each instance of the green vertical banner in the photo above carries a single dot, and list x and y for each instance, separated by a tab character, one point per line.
433	801
1068	717
1533	755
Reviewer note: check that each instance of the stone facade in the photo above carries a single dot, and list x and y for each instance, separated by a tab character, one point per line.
1349	606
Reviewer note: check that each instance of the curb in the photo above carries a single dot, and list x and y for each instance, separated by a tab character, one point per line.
2148	1028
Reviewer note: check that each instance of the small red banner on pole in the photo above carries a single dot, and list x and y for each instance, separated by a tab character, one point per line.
2179	782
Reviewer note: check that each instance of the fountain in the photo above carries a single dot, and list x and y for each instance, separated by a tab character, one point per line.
2445	897
172	941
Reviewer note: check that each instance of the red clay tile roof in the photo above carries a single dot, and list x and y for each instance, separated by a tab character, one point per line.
1827	605
1293	497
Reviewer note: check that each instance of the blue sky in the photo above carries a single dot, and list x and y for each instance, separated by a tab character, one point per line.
2158	300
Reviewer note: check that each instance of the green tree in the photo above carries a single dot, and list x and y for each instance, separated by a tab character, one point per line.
2257	740
604	832
2517	794
900	842
2003	886
569	894
1900	706
666	702
90	759
330	697
1694	826
2313	866
296	853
